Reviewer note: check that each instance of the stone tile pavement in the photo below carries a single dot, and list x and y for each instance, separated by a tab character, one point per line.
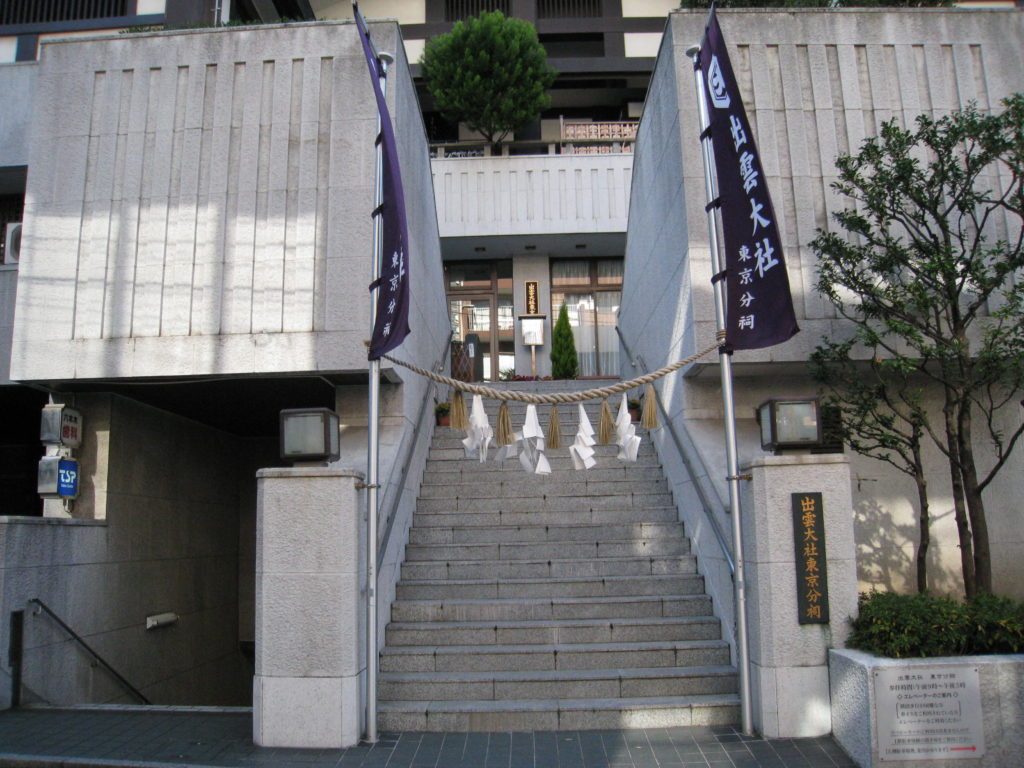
200	737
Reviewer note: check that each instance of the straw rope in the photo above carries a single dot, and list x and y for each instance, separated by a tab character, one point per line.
554	397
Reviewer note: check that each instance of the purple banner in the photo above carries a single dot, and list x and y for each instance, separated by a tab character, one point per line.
391	324
759	308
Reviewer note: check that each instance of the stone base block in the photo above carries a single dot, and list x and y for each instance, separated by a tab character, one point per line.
306	712
791	702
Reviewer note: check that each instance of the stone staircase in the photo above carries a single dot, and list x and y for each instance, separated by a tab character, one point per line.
559	602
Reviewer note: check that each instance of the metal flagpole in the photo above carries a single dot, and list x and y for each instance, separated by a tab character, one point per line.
373	432
725	360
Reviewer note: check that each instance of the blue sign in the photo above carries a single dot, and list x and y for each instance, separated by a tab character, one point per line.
67	479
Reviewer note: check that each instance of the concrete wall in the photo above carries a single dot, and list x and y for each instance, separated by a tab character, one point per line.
170	489
814	85
198	202
18	83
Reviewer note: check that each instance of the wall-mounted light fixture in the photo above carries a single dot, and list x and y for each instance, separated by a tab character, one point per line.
790	422
161	620
309	434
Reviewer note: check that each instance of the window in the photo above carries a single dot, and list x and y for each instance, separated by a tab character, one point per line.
591	289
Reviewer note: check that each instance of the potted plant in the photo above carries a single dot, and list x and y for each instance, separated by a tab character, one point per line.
442	414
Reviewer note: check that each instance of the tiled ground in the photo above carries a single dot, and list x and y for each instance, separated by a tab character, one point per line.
197	738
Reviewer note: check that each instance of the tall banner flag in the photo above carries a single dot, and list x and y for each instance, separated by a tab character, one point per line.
759	308
391	324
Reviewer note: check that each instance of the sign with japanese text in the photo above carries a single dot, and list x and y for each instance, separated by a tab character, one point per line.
811	562
391	324
759	307
928	712
67	479
532	300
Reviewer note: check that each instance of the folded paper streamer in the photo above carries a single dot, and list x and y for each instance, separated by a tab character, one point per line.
625	433
582	449
528	445
478	436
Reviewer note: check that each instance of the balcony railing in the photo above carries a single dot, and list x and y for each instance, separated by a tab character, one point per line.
568	9
43	11
459	10
538	194
624	130
604	138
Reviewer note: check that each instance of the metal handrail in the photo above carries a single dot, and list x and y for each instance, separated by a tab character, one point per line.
689	461
85	646
383	546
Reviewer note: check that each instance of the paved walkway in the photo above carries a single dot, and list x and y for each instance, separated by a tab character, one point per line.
207	737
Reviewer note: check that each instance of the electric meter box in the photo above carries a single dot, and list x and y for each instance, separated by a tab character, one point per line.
58	478
61	425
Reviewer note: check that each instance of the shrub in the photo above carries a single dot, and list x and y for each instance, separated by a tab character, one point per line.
565	363
903	626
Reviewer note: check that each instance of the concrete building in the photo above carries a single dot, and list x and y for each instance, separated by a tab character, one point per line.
196	238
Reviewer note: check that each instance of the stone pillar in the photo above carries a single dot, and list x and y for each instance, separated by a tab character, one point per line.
788	660
310	608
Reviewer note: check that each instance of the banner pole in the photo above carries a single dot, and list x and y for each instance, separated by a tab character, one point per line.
373	436
725	360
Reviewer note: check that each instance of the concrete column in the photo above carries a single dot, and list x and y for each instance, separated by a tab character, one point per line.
310	615
789	660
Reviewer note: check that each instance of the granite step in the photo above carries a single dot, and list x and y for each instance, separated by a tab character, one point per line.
529	550
491	685
587	655
452	517
541	533
526	634
543	609
553	568
559	714
500	589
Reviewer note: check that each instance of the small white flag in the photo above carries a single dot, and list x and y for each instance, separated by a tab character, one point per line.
582	451
478	436
626	437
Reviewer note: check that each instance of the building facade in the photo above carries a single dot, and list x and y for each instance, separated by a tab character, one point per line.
194	208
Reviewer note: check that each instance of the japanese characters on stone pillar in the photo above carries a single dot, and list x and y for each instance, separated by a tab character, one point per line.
811	558
759	308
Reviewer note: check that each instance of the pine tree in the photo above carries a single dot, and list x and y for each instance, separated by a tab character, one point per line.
490	72
565	363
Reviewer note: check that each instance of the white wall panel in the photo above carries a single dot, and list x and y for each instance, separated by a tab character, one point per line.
542	194
215	181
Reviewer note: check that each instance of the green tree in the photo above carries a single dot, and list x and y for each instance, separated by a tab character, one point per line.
489	72
882	415
565	363
927	274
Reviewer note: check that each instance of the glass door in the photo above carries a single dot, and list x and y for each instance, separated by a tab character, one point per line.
472	335
483	320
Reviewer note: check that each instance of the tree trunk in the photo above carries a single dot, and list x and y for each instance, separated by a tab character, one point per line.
963	527
975	504
924	520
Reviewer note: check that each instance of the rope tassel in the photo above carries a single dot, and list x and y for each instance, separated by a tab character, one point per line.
459	417
504	434
606	425
554	429
649	416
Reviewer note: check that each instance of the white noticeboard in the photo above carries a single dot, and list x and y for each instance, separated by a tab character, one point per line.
928	712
